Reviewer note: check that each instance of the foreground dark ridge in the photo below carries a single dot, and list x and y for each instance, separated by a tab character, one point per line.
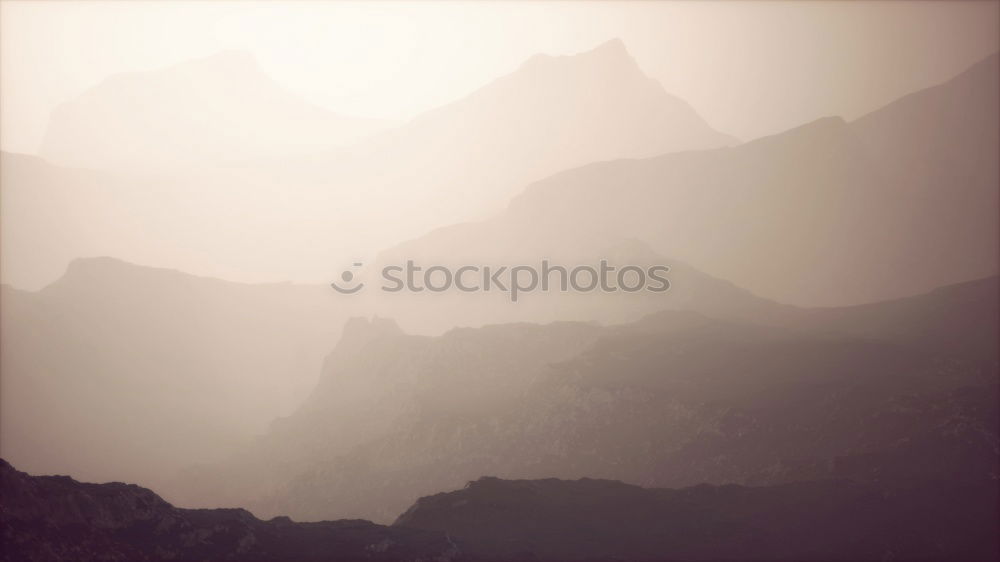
608	520
58	518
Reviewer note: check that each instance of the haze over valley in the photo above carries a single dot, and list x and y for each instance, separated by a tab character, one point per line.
194	334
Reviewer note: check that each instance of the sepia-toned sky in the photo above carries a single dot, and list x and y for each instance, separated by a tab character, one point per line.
749	68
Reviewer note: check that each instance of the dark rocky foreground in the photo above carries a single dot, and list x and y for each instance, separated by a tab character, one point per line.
58	518
608	520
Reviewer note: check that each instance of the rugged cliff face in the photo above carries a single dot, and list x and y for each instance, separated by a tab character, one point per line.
58	518
884	393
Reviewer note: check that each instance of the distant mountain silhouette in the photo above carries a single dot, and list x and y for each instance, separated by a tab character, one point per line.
550	114
606	520
220	360
960	320
830	213
937	140
221	109
232	223
690	289
52	215
674	399
123	372
187	188
819	382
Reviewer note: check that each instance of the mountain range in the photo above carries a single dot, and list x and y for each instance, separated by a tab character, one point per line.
819	381
218	110
72	353
849	212
209	167
674	399
256	352
828	214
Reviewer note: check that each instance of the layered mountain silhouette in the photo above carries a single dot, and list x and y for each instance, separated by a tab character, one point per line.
122	372
222	109
848	212
58	518
183	369
551	114
52	215
819	382
958	320
230	223
187	178
675	399
689	289
896	203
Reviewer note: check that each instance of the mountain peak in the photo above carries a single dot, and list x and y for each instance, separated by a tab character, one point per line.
612	46
97	266
611	51
108	276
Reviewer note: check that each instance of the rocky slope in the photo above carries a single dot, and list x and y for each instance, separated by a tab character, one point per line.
58	518
673	400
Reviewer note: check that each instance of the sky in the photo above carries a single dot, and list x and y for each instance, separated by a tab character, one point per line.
749	68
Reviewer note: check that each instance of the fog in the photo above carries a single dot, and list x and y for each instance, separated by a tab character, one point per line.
185	189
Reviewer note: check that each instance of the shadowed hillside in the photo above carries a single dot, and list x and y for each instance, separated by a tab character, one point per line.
602	519
675	399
